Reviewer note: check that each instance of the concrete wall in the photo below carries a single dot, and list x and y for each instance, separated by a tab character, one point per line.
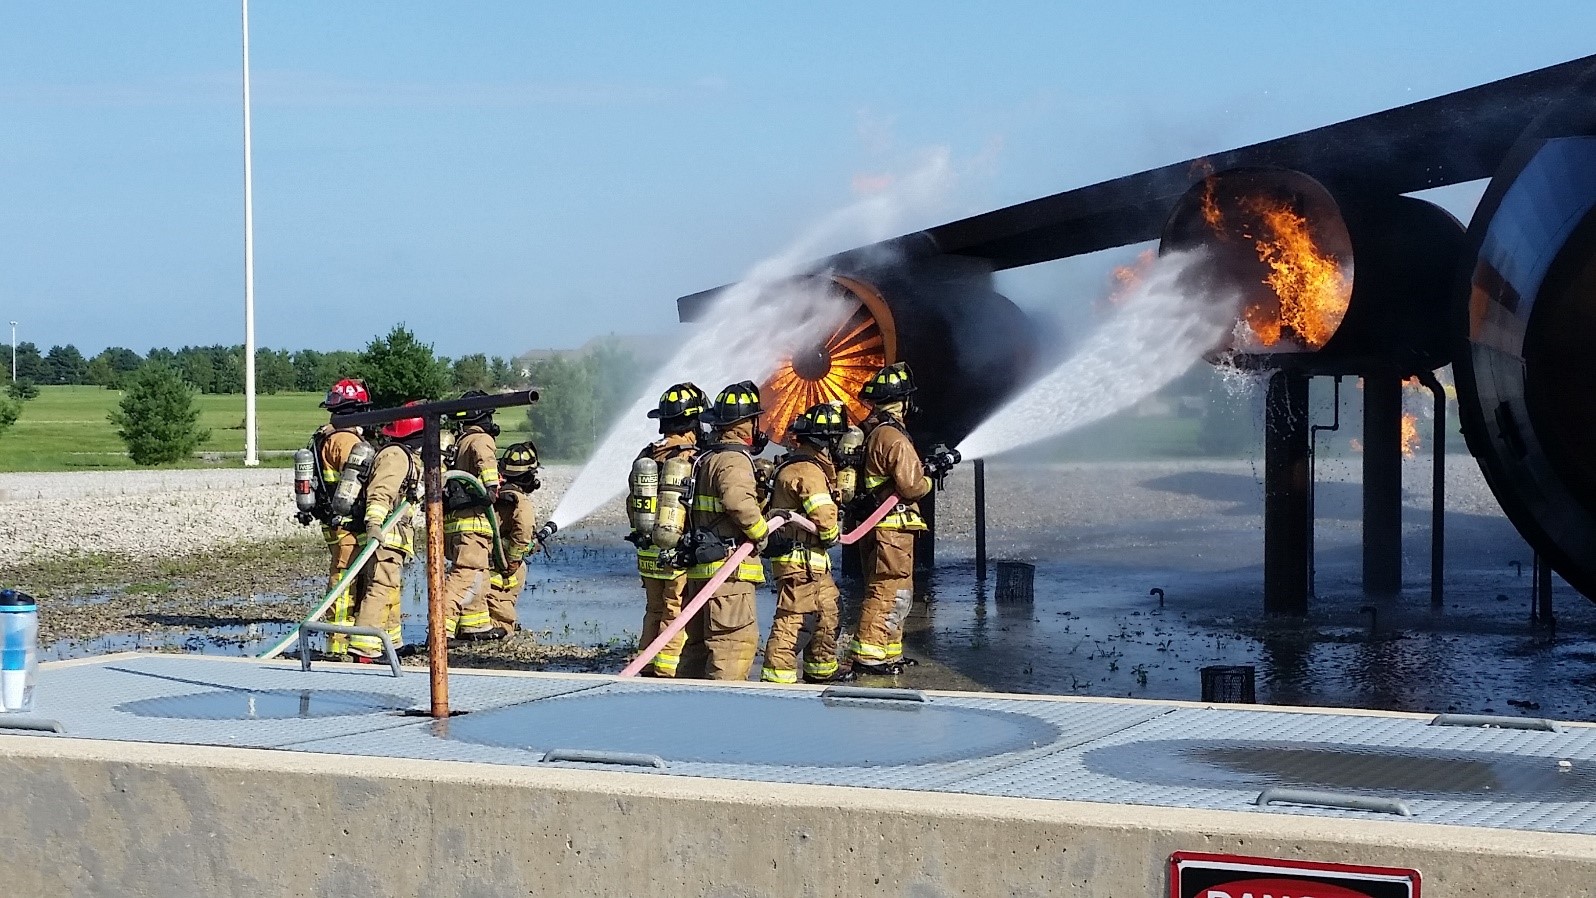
97	818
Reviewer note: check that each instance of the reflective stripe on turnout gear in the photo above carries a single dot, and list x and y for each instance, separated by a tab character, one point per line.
870	651
651	565
820	668
769	675
749	570
815	560
816	501
468	524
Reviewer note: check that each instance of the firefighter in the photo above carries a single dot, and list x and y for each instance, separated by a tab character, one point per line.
518	524
804	482
332	444
395	476
664	581
468	537
724	636
891	466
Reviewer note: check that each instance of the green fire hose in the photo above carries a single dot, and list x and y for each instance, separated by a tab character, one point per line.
356	564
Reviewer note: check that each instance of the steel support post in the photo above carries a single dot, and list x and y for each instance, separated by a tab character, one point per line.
437	639
1286	525
1382	484
980	519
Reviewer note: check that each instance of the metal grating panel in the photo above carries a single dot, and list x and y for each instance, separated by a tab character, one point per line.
993	745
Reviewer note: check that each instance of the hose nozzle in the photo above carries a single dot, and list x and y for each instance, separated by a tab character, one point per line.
940	463
547	530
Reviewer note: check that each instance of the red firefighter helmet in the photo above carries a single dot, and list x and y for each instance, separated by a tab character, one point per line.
404	427
347	395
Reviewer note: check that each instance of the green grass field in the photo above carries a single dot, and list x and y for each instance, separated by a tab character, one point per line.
65	429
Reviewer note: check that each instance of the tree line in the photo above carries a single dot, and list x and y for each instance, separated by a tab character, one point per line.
158	421
220	368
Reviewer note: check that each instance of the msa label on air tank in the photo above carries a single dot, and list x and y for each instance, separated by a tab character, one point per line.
1194	875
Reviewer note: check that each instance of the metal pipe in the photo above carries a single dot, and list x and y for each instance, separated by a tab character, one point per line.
1313	483
1286	494
980	519
438	409
251	456
1382	484
1437	492
437	639
1543	579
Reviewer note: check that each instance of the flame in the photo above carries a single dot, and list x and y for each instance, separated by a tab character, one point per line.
1312	288
1410	434
1211	212
1128	277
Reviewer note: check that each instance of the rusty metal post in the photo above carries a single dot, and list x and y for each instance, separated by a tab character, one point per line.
437	639
980	519
1286	525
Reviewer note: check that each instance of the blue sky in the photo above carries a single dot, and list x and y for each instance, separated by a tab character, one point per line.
504	175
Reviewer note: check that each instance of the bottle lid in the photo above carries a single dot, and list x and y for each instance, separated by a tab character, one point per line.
15	597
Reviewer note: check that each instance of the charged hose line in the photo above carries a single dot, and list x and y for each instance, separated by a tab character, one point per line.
356	565
481	492
729	566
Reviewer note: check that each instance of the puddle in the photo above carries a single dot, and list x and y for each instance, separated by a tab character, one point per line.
770	729
1394	773
274	704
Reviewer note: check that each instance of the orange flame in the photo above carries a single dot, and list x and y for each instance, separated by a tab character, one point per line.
1410	434
1128	277
1312	288
1211	212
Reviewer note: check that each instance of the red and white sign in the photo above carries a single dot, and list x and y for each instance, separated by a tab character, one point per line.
1195	875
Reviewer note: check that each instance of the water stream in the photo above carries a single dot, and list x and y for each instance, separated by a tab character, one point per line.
1158	329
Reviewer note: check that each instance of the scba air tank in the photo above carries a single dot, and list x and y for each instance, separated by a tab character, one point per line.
642	501
305	481
849	446
675	485
352	479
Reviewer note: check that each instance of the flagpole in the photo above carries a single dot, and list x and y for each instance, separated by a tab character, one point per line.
250	456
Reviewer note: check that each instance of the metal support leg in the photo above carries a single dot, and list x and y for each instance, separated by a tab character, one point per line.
1382	484
1286	495
388	652
1437	494
980	519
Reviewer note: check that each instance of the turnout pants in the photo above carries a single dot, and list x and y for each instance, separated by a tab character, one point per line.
664	604
723	637
466	588
889	594
502	598
379	606
803	601
342	546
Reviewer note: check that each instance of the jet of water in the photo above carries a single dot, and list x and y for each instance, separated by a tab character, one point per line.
1157	331
757	323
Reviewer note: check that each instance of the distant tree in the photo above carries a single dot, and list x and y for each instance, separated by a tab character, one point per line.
161	354
157	418
112	367
398	368
501	374
307	371
471	372
614	374
564	420
274	370
196	365
66	365
30	364
9	412
22	390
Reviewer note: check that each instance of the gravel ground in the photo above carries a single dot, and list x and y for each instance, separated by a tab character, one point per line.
158	513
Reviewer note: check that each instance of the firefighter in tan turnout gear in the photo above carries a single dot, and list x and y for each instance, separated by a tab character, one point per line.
518	524
804	481
891	466
723	637
332	445
395	476
468	537
664	581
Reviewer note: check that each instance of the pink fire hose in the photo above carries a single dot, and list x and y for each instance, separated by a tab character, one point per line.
729	567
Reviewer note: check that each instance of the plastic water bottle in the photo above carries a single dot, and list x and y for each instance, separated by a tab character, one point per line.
19	649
